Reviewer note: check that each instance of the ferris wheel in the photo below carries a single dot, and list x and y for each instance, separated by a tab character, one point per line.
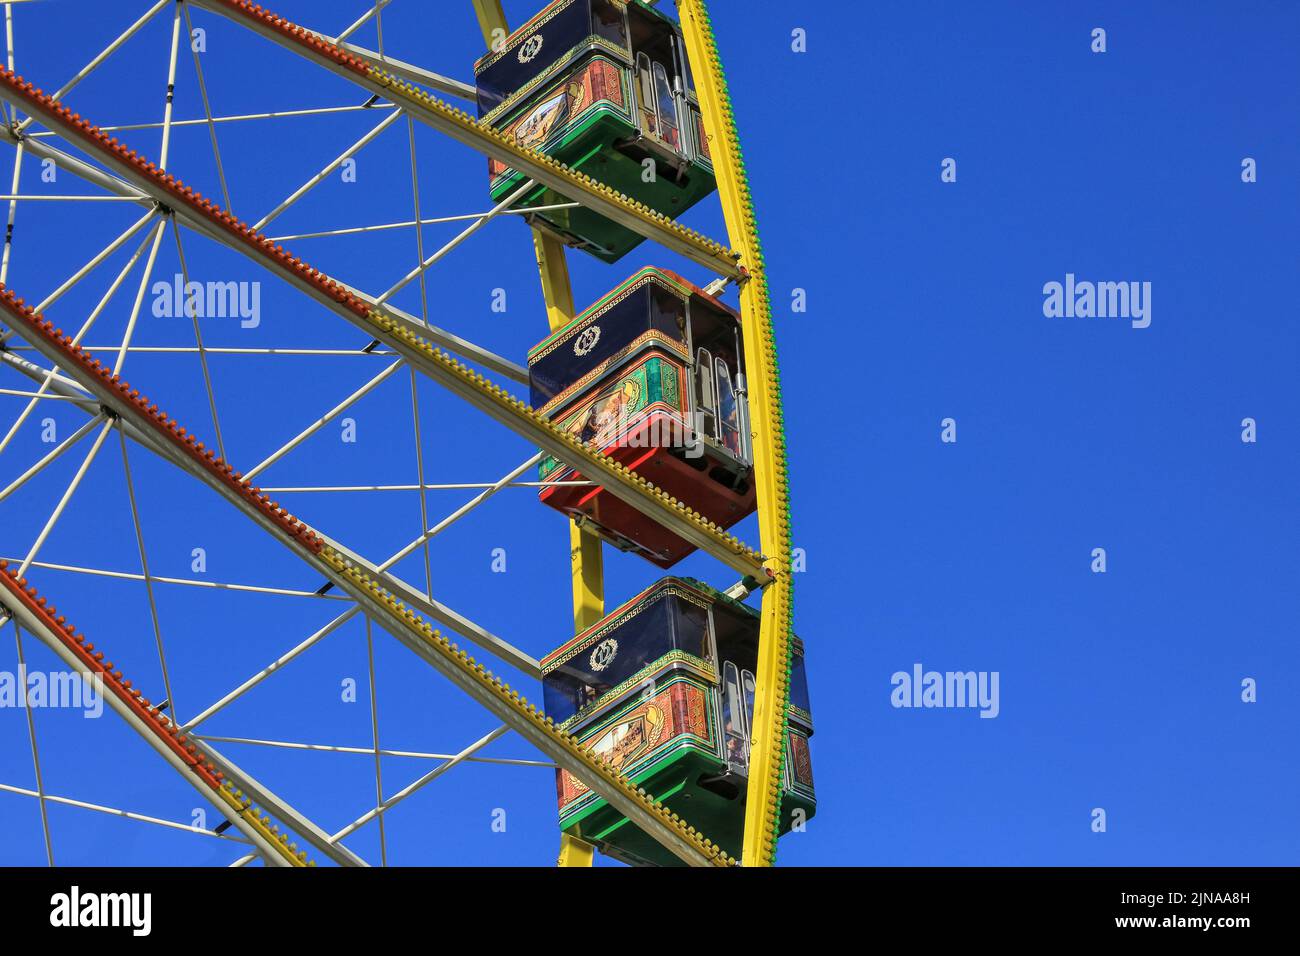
673	715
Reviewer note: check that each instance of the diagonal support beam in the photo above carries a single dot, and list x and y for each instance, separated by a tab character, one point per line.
33	623
409	71
273	803
444	615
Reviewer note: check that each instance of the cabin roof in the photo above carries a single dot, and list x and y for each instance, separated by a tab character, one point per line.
527	25
705	591
641	277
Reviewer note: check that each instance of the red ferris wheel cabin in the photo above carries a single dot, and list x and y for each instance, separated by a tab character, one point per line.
652	375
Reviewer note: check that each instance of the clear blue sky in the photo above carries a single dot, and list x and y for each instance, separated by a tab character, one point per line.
1118	690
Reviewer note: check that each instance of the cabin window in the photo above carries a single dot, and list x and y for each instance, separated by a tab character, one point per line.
607	22
667	312
728	410
646	95
688	81
666	105
799	685
735	733
704	392
691	628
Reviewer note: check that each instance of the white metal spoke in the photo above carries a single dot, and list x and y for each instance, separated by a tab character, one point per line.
474	227
198	340
362	20
374	725
18	156
409	71
429	777
379	28
87	198
338	161
218	120
446	340
67	496
139	296
36	754
188	582
171	88
415	390
381	227
51	456
367	751
76	339
352	612
22	393
274	666
324	420
478	499
107	251
13	212
207	110
220	350
125	814
419	473
443	486
144	568
103	55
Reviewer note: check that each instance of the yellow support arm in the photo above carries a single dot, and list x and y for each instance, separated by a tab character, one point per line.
767	747
491	18
586	558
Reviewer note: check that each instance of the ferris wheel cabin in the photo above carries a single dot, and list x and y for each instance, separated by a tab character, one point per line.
664	688
653	376
604	87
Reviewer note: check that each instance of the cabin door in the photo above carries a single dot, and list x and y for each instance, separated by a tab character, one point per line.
657	104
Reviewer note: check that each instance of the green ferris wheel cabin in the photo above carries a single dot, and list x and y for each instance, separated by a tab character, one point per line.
604	87
663	687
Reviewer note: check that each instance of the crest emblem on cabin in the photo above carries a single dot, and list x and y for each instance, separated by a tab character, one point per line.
532	46
585	342
604	654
